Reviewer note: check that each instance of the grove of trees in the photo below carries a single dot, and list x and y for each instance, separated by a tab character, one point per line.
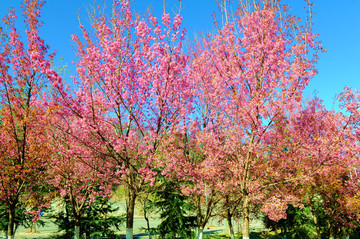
217	126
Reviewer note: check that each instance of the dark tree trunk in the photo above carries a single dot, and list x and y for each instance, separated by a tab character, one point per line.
130	210
147	222
231	228
11	232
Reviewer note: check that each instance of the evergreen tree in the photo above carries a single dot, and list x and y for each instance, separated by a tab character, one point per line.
21	218
298	223
95	220
176	222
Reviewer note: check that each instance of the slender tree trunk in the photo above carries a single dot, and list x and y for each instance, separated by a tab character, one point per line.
147	222
77	212
199	218
246	217
130	214
245	191
77	228
231	228
202	219
200	232
11	233
34	225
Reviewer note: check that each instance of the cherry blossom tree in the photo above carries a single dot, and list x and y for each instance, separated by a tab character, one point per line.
333	201
320	144
252	74
202	172
228	117
334	189
25	119
74	171
130	93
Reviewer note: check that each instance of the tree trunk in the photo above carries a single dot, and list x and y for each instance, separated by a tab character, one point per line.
77	228
246	217
11	233
231	228
147	222
130	214
245	191
200	232
201	218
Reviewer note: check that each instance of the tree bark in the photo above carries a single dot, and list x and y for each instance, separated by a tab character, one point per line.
245	190
147	222
246	217
198	212
11	223
130	209
231	228
202	219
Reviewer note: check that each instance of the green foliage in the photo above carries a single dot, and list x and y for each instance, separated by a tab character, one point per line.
95	220
298	224
174	213
21	218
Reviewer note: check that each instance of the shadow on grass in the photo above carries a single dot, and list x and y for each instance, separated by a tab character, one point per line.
218	234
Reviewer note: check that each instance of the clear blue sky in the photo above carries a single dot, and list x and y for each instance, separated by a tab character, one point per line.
337	22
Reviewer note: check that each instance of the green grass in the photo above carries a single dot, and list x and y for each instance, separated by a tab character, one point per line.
253	235
261	235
